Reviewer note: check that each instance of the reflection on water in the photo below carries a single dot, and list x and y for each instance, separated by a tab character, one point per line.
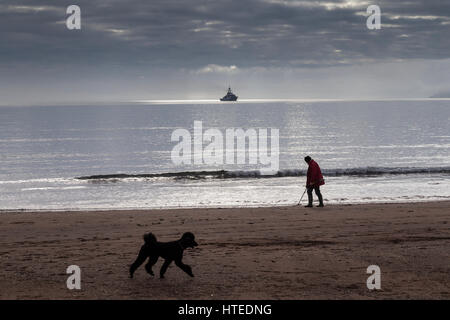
43	148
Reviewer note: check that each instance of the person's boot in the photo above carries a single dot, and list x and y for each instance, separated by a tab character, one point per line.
320	200
310	199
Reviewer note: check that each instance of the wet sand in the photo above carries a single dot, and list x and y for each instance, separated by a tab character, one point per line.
261	253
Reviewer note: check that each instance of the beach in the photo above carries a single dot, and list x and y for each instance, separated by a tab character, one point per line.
243	253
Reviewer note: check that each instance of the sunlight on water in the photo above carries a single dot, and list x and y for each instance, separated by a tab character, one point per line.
370	151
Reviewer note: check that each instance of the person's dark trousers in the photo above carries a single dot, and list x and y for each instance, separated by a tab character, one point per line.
318	194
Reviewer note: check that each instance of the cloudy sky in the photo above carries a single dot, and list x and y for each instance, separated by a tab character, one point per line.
193	49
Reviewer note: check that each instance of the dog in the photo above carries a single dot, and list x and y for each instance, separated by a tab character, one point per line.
170	251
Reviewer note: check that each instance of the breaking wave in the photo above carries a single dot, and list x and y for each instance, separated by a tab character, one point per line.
246	174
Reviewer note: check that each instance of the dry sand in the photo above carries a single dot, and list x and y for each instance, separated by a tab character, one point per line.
261	253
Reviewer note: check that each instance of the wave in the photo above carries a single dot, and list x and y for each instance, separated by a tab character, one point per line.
225	174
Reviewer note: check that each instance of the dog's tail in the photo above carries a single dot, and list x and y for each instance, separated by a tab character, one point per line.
150	238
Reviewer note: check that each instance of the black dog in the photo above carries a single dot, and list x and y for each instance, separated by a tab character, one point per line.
169	251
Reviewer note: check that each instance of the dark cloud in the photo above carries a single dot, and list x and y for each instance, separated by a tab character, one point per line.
192	33
141	36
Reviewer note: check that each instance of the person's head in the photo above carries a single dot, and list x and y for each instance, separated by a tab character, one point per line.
307	159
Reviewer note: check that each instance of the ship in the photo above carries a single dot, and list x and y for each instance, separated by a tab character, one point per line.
230	96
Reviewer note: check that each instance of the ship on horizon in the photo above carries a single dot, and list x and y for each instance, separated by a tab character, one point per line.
230	96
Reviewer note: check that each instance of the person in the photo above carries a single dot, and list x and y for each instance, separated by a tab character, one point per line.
313	181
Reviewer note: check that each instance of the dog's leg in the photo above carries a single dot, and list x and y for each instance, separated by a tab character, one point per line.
164	268
150	264
186	268
139	260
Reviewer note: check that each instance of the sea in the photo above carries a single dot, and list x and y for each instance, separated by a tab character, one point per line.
120	155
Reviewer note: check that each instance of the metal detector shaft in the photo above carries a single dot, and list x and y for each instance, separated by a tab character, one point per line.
302	197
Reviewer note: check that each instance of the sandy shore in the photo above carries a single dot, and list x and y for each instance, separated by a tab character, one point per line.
263	253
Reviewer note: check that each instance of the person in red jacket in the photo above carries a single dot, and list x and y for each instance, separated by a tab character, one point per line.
314	181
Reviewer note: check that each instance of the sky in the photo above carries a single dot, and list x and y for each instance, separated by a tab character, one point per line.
195	49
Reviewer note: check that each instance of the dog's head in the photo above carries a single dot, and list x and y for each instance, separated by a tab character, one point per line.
188	240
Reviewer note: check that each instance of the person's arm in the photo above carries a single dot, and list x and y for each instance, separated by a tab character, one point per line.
308	177
314	178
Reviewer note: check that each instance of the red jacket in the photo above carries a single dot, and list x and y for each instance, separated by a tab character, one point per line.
314	175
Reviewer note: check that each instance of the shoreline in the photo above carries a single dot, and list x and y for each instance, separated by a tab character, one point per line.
287	252
78	210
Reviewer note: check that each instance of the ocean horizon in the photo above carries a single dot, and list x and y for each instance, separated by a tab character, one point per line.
80	102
